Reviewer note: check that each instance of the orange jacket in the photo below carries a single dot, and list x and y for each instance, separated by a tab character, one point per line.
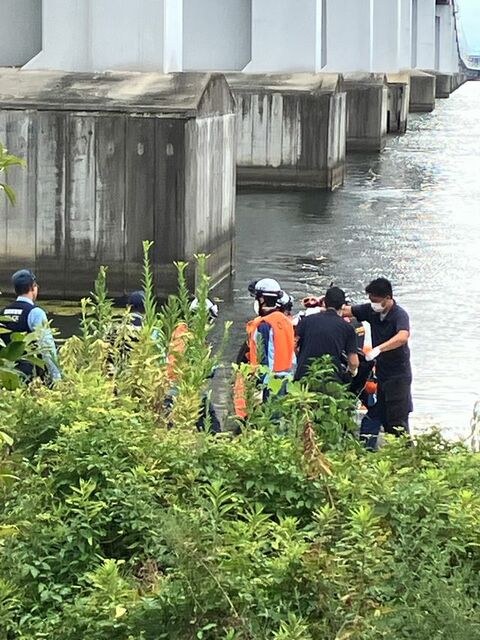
240	396
178	344
283	340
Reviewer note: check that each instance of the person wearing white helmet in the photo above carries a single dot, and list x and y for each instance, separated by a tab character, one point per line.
212	309
285	304
271	340
255	287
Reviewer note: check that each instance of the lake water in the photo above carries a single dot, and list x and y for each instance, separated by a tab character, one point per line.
411	214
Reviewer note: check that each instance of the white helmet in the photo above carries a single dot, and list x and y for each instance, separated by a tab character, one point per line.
268	287
212	308
285	301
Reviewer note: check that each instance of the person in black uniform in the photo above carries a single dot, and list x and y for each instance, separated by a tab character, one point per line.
390	327
327	333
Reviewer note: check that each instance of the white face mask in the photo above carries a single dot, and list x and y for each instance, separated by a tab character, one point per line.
256	307
377	307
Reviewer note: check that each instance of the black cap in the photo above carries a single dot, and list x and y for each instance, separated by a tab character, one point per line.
23	280
136	300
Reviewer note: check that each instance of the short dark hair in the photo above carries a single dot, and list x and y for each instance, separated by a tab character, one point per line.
335	298
380	288
23	281
269	302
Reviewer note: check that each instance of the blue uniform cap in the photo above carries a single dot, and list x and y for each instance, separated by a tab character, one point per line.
23	279
136	301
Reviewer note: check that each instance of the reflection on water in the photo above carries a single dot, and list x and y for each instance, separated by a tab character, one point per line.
411	214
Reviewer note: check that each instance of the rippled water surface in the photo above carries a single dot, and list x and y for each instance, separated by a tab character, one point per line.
411	214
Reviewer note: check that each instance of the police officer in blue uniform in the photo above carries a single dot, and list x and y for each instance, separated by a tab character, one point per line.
136	303
23	316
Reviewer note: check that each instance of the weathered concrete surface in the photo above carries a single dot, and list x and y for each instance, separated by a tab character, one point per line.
398	102
291	130
367	111
114	159
443	84
458	79
422	91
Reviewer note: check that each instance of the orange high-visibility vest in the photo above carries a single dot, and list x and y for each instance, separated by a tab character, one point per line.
178	344
240	396
283	340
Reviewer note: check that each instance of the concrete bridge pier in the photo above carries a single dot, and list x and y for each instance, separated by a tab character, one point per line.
390	41
114	159
422	91
443	84
291	116
446	51
291	130
367	111
398	102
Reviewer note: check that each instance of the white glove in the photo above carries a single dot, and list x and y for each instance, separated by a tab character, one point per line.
374	353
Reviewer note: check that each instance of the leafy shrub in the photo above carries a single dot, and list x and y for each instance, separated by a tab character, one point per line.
120	522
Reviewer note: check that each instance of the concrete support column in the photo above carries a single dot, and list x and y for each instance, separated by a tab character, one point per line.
20	31
285	37
406	34
290	130
173	17
367	111
424	31
386	36
349	35
217	35
65	36
447	46
96	35
422	91
446	53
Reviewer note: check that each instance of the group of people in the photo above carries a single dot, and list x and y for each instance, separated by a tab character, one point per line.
377	370
284	346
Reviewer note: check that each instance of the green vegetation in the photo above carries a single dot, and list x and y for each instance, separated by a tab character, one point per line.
6	161
120	521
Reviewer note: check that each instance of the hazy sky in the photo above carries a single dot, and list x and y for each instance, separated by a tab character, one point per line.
470	17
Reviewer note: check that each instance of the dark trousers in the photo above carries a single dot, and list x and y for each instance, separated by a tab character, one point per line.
208	419
393	406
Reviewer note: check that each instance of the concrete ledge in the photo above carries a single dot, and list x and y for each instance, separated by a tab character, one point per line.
284	178
367	111
291	130
422	91
458	79
398	102
123	276
443	83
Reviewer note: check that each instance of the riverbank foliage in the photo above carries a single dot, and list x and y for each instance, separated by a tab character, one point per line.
121	521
